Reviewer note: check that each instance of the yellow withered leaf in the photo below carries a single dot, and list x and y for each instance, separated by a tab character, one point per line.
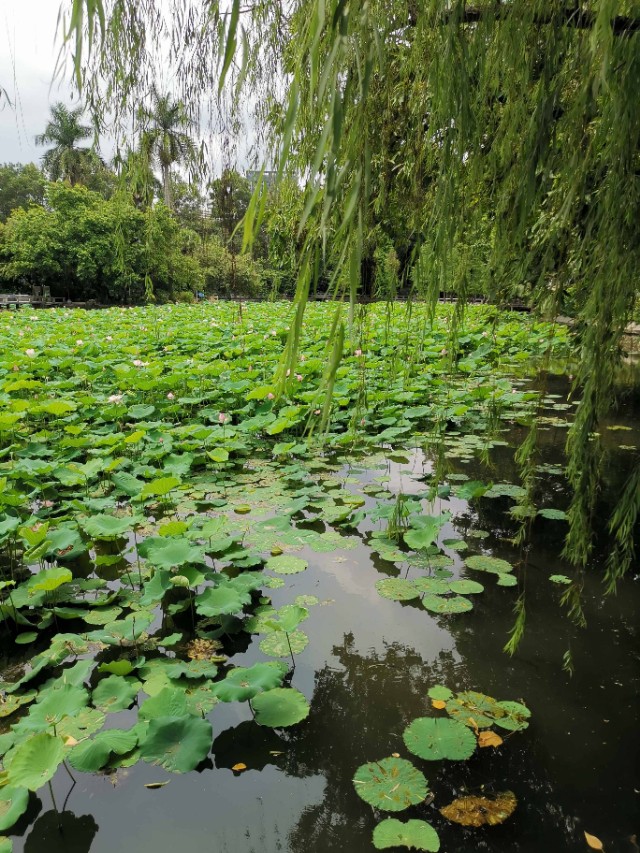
478	811
239	767
489	739
438	704
593	841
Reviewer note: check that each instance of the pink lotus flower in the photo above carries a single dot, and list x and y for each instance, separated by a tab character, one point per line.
444	351
171	396
358	352
30	352
109	338
115	398
79	342
223	417
317	412
270	396
299	377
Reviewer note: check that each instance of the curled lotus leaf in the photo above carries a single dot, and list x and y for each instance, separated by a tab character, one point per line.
516	717
397	589
434	738
391	784
414	834
479	811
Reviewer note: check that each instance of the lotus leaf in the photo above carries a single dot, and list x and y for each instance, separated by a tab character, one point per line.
115	693
178	744
224	599
483	563
35	760
439	693
168	702
64	701
244	683
280	707
516	718
414	834
49	579
507	580
91	755
435	586
434	738
286	564
159	487
107	526
475	709
277	643
391	784
397	589
466	587
450	604
168	553
13	804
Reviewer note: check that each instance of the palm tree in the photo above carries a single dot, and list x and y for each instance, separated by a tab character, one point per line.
66	160
164	139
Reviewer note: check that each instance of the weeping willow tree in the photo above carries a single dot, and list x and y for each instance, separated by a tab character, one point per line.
504	135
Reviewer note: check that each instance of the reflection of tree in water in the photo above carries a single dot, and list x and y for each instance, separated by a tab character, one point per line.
359	710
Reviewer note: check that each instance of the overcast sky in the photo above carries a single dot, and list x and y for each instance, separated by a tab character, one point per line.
28	53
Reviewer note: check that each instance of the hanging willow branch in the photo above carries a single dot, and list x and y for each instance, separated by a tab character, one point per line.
498	142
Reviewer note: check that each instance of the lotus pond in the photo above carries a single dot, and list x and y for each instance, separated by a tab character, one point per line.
240	620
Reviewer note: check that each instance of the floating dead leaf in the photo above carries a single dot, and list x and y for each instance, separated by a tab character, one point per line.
395	755
239	767
489	739
153	785
438	704
71	741
593	841
478	811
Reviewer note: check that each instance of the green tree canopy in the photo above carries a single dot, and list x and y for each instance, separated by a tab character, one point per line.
511	130
20	186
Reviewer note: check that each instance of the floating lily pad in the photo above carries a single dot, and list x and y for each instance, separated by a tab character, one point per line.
435	586
391	784
397	589
516	718
507	580
483	563
244	683
276	645
560	579
449	604
286	564
280	707
475	709
414	834
434	738
466	587
440	693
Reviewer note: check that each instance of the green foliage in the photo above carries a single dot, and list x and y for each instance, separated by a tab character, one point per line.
70	246
20	187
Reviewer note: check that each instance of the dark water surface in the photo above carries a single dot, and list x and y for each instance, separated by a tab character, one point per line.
366	671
